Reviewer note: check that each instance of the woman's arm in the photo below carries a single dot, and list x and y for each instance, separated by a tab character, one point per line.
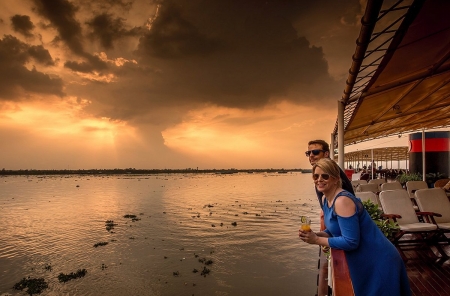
348	220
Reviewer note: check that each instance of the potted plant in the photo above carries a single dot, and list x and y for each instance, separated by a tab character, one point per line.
431	178
403	178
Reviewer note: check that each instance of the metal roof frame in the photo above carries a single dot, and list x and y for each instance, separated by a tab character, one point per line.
399	80
400	153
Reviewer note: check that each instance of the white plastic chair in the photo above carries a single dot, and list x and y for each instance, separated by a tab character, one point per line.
368	187
368	195
378	182
397	206
391	186
356	183
435	200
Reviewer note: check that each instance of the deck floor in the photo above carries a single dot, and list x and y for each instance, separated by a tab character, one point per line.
427	274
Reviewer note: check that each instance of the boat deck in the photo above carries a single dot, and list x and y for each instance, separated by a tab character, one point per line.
428	274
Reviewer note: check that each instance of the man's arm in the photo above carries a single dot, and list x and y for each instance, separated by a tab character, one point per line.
319	196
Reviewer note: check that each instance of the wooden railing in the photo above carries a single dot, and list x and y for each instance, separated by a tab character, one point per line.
342	284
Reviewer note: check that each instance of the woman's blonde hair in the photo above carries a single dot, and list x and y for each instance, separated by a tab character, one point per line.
330	167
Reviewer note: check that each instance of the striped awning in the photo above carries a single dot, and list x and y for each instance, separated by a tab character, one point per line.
399	78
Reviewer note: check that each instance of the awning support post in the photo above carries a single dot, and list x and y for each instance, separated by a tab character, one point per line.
372	164
341	108
332	146
423	156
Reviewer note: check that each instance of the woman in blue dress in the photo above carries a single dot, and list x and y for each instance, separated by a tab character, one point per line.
376	268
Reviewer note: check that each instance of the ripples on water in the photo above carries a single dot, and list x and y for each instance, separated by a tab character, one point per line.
56	221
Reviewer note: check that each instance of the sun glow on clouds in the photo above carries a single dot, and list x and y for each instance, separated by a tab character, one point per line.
64	119
238	134
199	138
102	77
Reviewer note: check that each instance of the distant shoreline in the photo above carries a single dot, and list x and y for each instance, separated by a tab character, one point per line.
144	171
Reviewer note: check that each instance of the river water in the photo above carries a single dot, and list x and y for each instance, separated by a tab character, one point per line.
50	224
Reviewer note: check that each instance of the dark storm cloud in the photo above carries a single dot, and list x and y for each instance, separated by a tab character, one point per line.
41	55
14	76
22	24
106	4
233	53
62	15
107	29
173	36
93	63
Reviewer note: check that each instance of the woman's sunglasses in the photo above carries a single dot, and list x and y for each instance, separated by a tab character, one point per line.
324	176
314	152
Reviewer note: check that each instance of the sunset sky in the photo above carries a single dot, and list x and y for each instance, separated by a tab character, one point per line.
170	83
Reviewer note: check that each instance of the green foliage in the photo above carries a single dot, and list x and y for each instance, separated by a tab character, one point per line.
388	227
373	210
431	178
403	178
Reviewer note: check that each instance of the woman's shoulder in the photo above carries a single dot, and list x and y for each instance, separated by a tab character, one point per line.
346	193
344	204
344	197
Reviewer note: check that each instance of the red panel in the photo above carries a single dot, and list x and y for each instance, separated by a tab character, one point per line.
431	145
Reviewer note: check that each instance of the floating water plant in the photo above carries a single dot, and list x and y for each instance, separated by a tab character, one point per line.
100	244
67	277
205	271
129	216
205	261
109	224
33	285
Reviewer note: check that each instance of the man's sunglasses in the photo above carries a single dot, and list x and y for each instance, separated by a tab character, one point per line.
324	176
314	152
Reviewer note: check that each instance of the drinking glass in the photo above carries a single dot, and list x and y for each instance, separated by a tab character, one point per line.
305	223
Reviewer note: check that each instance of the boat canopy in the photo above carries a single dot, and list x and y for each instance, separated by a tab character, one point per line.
399	78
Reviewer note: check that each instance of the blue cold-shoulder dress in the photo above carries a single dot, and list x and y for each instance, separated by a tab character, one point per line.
375	265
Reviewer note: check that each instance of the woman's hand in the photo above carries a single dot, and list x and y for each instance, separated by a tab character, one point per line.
310	237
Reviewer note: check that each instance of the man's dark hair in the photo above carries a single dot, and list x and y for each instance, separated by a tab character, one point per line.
324	144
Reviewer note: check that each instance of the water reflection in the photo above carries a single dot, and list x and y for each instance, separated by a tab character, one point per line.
182	218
